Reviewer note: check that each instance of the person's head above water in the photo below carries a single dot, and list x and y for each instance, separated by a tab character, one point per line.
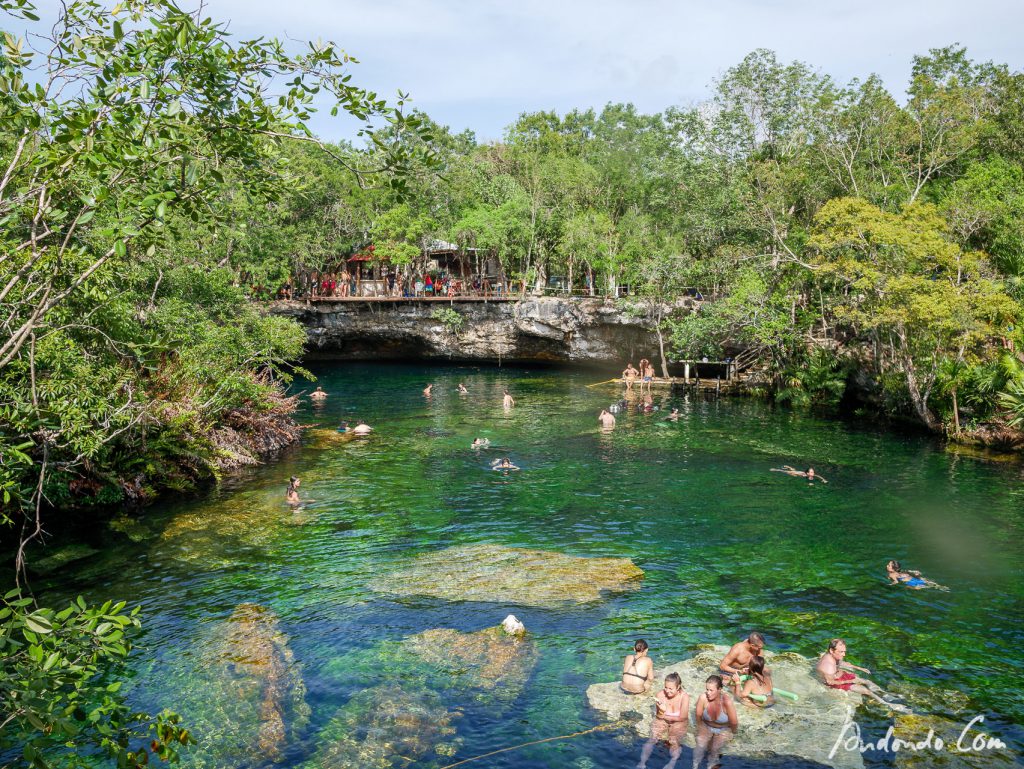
810	472
893	566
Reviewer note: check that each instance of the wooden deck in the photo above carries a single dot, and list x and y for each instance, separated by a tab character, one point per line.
401	299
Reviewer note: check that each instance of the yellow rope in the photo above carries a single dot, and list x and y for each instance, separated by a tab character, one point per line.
617	379
600	728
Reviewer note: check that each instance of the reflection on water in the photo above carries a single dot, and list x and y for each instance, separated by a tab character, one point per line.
358	628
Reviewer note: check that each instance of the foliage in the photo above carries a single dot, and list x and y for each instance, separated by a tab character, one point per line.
450	318
58	699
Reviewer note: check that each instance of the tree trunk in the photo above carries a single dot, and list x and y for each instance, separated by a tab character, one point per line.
661	344
917	398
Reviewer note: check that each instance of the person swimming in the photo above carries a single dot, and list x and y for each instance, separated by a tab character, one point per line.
810	475
343	427
897	575
427	389
462	388
480	443
318	394
503	464
362	428
507	400
606	419
674	416
292	494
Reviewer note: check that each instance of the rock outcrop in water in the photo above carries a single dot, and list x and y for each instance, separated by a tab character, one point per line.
511	576
386	727
260	675
534	329
806	729
489	660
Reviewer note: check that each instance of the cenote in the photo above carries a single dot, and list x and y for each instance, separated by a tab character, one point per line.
725	546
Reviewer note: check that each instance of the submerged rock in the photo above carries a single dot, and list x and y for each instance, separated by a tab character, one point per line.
935	741
490	660
807	729
387	727
511	576
324	438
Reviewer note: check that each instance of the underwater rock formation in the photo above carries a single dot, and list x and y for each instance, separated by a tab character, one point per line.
510	575
490	659
807	728
387	727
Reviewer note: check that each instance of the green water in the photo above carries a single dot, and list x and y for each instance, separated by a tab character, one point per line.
725	545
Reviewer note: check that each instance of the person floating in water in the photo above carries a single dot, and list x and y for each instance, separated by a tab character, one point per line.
343	427
674	416
716	723
836	673
606	419
810	475
670	721
361	428
503	464
480	443
318	394
462	388
637	670
427	389
508	401
758	682
292	494
739	656
913	579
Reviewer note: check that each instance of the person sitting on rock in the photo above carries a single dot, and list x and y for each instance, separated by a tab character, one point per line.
836	673
637	670
716	722
758	681
671	719
739	656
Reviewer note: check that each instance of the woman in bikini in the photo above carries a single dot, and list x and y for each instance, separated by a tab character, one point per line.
637	670
912	579
758	681
670	720
716	722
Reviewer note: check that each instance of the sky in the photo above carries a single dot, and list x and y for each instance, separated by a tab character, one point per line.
479	64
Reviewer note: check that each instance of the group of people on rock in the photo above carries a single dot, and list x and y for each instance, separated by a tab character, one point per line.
742	670
645	374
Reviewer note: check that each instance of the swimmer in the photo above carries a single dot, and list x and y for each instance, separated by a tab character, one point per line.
318	394
362	428
427	389
343	427
671	717
503	464
739	656
606	419
637	670
759	682
462	389
480	443
836	673
508	401
810	475
716	723
292	494
674	416
913	579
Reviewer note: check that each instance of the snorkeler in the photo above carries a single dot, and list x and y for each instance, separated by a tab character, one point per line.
318	394
739	656
606	419
670	720
637	670
758	682
836	673
810	475
503	464
898	575
292	494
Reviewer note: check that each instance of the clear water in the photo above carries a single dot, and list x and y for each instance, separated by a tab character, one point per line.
726	546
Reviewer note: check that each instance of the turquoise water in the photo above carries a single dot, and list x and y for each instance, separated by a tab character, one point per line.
726	547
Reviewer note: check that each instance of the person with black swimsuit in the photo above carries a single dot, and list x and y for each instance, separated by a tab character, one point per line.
637	670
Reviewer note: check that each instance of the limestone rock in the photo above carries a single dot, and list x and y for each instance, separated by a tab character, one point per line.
387	727
511	576
807	729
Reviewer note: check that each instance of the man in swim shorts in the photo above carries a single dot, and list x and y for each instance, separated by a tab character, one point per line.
671	719
738	658
606	419
836	673
318	394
